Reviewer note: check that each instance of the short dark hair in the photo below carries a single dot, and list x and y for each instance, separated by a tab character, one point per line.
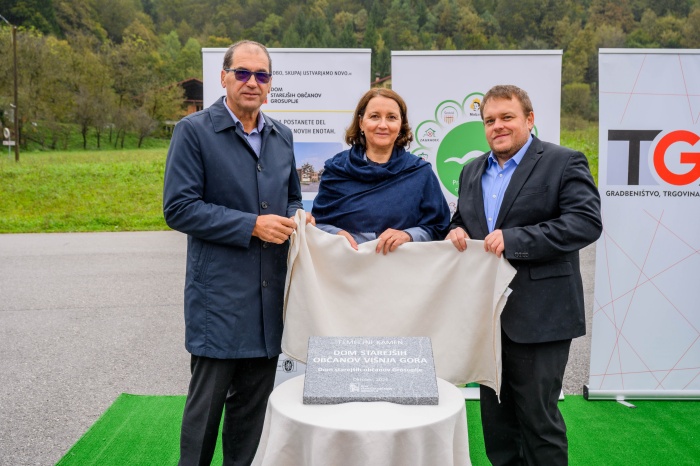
354	136
507	92
228	56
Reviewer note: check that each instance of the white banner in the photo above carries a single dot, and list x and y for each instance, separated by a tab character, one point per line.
443	91
314	92
646	323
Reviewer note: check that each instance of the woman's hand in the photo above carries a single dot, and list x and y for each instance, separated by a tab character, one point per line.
349	237
392	239
310	220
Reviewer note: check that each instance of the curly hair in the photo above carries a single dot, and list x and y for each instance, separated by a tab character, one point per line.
353	135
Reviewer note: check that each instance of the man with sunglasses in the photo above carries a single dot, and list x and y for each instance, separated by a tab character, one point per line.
231	185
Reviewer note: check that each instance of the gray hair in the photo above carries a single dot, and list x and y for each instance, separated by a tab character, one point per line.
228	57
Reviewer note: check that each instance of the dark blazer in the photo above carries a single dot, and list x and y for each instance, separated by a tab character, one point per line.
215	187
550	210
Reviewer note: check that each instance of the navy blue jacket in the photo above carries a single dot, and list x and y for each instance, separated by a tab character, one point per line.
360	197
215	187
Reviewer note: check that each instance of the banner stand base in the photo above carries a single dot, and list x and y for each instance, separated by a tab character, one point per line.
472	393
624	403
658	395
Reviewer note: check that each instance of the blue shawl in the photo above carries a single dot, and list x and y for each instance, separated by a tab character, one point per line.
361	197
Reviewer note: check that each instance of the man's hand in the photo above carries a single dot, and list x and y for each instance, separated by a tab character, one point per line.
273	228
391	239
494	243
459	238
348	237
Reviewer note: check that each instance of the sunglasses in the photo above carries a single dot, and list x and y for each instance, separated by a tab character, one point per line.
242	74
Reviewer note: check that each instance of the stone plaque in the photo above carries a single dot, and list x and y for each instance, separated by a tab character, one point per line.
395	369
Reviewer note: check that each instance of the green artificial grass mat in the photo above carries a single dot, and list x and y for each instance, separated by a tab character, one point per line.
145	430
655	433
136	430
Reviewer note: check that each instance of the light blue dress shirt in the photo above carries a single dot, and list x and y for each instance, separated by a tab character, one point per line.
254	137
495	180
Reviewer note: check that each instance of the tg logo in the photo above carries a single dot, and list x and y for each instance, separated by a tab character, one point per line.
668	156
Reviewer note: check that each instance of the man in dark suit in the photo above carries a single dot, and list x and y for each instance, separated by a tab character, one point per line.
536	203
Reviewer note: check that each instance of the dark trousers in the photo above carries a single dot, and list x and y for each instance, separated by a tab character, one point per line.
236	388
526	427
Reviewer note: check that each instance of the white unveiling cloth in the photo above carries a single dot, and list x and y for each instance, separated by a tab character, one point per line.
368	434
421	289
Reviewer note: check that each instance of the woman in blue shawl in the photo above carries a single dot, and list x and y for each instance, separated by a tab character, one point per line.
376	189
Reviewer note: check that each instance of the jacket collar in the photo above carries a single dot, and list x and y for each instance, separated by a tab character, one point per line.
221	119
478	200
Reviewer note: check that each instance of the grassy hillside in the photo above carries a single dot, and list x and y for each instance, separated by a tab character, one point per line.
117	190
82	191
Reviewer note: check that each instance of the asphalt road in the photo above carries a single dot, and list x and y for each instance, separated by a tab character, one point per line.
87	316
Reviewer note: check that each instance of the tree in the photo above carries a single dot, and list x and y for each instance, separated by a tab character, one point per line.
78	17
116	15
383	62
654	31
670	31
142	123
30	14
93	88
229	14
41	78
517	17
169	52
369	40
446	18
400	28
184	30
45	86
642	36
291	38
135	66
164	103
610	37
611	12
216	41
678	8
691	30
564	32
578	56
318	32
195	14
576	99
470	29
189	61
342	19
98	63
307	171
347	37
360	20
84	112
268	31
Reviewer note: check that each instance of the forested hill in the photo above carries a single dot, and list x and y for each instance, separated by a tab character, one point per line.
126	51
577	27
